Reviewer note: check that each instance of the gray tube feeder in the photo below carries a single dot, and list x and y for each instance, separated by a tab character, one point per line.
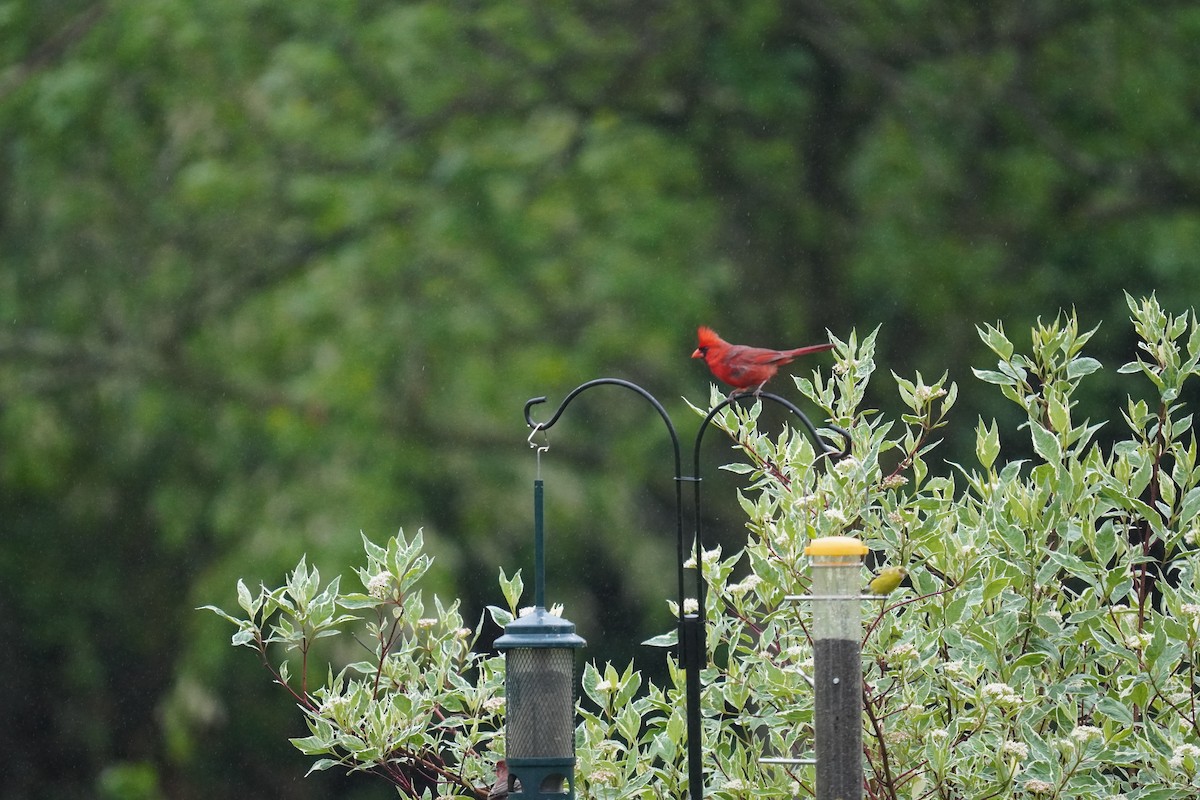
836	564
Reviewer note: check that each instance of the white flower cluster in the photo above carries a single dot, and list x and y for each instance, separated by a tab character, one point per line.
750	582
1001	693
1183	754
379	585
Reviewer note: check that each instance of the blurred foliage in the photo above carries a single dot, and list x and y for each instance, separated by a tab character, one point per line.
274	273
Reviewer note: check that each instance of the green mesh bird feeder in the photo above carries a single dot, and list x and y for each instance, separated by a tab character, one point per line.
539	651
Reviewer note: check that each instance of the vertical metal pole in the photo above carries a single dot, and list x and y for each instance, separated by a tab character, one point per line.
539	548
692	627
836	564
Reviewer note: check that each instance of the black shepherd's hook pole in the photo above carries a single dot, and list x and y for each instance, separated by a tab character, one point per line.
692	647
666	418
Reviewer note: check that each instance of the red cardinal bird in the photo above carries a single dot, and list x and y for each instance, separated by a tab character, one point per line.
743	367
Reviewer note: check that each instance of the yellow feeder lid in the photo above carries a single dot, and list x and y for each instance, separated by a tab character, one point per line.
836	546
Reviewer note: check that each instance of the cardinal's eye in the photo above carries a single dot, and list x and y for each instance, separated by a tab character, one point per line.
704	351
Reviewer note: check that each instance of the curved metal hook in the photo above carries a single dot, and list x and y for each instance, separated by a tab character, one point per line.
537	426
827	450
662	412
533	401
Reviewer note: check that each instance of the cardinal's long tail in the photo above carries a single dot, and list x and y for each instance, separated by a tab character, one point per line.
803	351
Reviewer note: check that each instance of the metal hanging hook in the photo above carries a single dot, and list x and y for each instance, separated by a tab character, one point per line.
540	448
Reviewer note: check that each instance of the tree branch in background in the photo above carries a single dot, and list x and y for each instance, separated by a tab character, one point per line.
52	50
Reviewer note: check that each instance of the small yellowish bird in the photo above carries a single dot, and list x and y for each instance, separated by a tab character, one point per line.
887	580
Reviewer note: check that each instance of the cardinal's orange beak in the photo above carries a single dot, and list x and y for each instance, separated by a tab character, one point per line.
697	354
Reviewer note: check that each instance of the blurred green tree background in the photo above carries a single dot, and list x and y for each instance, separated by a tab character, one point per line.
272	273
